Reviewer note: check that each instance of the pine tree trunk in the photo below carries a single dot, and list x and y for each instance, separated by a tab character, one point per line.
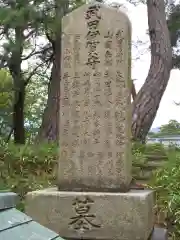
18	118
14	65
49	130
148	98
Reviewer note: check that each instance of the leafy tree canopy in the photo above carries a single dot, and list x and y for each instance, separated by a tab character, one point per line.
172	128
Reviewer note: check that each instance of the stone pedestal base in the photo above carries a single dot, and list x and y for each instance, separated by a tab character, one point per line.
94	215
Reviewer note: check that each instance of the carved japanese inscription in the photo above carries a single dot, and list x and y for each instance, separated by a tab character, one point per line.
119	46
93	18
67	58
83	219
108	49
95	101
77	48
65	100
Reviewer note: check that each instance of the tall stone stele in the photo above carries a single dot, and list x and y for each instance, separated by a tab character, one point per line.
93	199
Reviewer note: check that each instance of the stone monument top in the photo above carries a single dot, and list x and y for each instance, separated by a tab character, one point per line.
95	119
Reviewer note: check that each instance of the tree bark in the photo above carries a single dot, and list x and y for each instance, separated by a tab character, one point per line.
49	130
18	117
148	98
133	91
14	65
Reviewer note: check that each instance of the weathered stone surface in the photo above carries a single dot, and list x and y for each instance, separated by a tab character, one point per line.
95	101
90	215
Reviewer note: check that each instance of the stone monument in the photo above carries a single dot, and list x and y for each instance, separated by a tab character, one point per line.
94	199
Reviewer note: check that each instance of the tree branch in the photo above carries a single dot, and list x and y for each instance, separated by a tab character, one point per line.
33	72
29	34
133	91
9	135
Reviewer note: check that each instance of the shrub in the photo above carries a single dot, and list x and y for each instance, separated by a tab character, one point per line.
149	149
166	182
27	168
139	157
138	152
156	148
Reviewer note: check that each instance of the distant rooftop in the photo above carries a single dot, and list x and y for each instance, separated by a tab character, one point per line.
168	137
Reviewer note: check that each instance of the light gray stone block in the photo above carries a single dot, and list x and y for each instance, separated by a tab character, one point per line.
94	215
8	199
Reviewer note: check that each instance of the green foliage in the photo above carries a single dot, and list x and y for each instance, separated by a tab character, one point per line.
6	102
148	149
27	168
35	102
166	182
139	157
173	22
172	128
6	89
151	134
155	149
20	23
138	151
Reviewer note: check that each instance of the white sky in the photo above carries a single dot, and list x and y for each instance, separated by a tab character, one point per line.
167	110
